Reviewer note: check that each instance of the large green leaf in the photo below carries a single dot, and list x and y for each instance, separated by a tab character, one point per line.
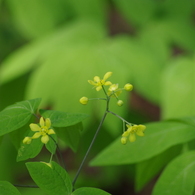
28	56
147	169
70	135
38	17
159	136
89	191
7	188
178	177
180	73
62	119
17	115
52	180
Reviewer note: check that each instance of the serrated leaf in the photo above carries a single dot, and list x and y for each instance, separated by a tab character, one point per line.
7	188
52	180
70	135
159	136
62	119
89	191
17	115
178	176
147	169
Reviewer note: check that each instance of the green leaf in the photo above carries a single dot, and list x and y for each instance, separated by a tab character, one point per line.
180	73
62	119
147	169
178	176
7	188
17	115
37	18
31	150
159	136
89	191
52	180
70	135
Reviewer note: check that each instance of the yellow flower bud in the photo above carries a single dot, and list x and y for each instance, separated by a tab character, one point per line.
123	140
84	100
120	103
132	137
128	87
27	140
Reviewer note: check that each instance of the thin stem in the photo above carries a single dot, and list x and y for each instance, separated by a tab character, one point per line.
117	116
92	142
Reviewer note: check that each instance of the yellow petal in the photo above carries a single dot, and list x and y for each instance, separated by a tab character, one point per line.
48	123
107	75
98	88
34	127
42	122
36	135
97	79
107	83
45	139
51	131
125	134
132	137
91	82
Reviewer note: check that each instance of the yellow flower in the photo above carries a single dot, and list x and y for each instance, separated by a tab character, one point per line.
98	83
128	87
84	100
132	131
114	91
43	130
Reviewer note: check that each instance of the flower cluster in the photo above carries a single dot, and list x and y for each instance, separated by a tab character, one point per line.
131	132
42	130
113	90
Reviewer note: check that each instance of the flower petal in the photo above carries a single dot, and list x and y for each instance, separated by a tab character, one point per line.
36	135
132	137
98	88
45	139
27	140
48	123
51	131
107	75
34	127
107	83
92	82
42	122
96	79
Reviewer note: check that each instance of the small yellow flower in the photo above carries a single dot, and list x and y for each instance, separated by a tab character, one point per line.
128	87
98	83
114	91
43	130
132	131
84	100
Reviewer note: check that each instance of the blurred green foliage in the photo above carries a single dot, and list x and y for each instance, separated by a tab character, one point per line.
49	49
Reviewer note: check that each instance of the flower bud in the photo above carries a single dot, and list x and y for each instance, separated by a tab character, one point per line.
27	140
128	87
120	103
84	100
123	140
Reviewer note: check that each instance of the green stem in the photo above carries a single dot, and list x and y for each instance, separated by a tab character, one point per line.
93	140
